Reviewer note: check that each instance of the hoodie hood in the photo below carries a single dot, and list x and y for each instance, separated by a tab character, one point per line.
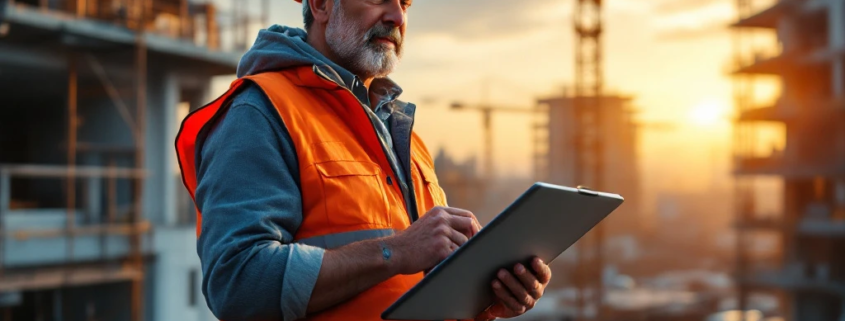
281	47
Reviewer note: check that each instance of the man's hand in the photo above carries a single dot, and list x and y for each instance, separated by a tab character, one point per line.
517	292
431	239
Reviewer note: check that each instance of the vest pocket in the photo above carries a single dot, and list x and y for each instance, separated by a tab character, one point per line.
353	194
435	192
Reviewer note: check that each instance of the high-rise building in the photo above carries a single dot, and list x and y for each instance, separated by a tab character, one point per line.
790	155
94	221
556	155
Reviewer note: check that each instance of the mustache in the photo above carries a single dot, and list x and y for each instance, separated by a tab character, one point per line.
384	31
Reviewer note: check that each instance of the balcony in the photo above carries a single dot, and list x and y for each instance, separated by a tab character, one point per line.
761	63
45	247
784	112
767	18
794	277
828	228
777	165
181	28
818	220
771	113
771	165
768	223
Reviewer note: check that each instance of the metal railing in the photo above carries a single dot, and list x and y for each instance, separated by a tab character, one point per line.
100	222
200	23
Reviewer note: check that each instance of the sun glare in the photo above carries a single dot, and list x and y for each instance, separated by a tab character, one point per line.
708	113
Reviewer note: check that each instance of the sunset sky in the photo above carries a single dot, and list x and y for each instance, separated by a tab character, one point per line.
672	56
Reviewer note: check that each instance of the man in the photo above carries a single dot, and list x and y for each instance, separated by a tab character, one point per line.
317	200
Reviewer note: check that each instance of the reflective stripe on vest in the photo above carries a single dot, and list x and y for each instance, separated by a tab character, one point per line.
333	241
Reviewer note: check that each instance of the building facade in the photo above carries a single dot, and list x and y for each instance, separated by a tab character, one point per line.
799	45
620	164
96	224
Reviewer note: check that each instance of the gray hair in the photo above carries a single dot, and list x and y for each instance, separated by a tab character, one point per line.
308	16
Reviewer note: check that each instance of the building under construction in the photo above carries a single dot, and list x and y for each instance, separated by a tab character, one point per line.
588	138
619	161
556	161
94	221
800	46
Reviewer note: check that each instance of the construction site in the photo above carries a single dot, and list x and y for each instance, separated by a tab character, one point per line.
799	46
96	225
788	166
584	137
95	222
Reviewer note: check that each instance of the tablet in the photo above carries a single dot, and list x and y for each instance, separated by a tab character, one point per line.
543	222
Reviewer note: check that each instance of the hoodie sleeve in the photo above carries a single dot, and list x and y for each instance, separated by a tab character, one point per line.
248	192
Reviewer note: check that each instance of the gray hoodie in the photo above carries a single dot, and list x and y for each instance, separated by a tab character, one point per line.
280	47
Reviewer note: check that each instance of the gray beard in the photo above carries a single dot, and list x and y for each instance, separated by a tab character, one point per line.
356	53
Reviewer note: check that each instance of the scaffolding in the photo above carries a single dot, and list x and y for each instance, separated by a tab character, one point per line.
174	19
200	23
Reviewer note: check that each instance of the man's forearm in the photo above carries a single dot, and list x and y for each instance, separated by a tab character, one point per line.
352	269
348	271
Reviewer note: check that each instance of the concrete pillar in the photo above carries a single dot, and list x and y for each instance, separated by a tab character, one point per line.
93	196
170	97
5	193
836	24
837	78
792	211
176	258
788	35
159	198
836	40
842	311
839	192
203	95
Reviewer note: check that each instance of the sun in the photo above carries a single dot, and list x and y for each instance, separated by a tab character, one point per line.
708	113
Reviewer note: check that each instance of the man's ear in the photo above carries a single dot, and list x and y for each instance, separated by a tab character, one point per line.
321	9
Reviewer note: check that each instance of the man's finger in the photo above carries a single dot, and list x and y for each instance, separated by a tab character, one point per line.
461	212
458	211
541	271
461	223
529	281
516	288
457	238
475	226
506	298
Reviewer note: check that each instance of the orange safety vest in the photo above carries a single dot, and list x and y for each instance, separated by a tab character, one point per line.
343	172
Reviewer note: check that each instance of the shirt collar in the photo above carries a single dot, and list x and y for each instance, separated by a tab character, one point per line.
382	91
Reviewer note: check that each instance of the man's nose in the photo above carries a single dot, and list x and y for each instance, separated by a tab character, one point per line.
394	14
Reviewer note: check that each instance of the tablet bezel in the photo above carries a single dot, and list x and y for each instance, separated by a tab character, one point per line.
510	210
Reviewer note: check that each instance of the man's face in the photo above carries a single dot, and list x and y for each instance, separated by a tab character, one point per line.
367	35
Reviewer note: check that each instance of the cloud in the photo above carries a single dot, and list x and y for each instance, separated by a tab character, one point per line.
475	19
677	6
693	20
713	29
